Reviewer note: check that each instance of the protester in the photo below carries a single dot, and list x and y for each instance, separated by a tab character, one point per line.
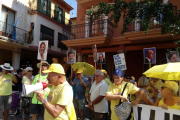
27	80
106	77
143	84
114	92
126	78
156	84
80	83
37	107
169	96
6	79
58	105
18	86
97	101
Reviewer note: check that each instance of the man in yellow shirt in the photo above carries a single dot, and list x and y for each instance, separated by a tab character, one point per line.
59	103
6	79
106	77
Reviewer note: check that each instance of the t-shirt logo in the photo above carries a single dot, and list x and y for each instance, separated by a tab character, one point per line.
7	81
49	97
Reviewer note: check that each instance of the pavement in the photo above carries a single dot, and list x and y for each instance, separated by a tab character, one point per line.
87	115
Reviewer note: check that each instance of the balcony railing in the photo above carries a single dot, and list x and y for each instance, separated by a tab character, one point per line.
54	14
90	29
13	34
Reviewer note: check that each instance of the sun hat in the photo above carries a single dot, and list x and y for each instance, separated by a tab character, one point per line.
55	67
80	71
118	72
6	66
27	69
104	71
38	65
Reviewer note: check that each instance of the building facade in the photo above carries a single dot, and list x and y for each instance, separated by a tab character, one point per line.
108	39
26	22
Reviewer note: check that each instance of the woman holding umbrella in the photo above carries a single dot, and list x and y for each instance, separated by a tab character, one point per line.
169	96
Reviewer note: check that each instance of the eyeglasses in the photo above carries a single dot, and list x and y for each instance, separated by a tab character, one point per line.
163	87
127	78
96	75
44	65
30	71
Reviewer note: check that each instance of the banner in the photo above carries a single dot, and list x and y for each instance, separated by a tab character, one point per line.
172	56
71	57
42	50
119	61
101	59
146	112
149	55
94	51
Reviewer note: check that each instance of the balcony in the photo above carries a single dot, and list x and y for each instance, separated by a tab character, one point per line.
96	32
49	11
89	3
13	34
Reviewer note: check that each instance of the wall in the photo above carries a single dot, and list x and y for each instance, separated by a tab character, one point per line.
5	55
80	14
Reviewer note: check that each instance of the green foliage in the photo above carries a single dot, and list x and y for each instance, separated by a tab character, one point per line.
141	12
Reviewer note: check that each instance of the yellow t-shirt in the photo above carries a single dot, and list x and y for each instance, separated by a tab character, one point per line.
112	89
175	106
26	80
6	84
61	95
158	85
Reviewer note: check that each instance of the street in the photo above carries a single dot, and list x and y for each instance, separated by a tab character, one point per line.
87	115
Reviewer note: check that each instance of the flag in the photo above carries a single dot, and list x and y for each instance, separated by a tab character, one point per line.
14	30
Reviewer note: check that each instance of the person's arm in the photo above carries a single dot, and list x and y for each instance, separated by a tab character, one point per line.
97	100
155	89
141	95
14	77
156	103
83	83
1	76
148	100
115	97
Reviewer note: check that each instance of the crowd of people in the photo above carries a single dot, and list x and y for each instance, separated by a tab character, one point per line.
66	95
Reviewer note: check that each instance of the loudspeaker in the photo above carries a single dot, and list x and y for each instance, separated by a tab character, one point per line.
27	89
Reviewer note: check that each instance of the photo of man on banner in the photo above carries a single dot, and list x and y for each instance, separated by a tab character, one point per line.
71	57
101	58
42	50
150	55
172	56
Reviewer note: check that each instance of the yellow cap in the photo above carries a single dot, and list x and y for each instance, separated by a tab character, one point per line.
55	67
104	71
80	71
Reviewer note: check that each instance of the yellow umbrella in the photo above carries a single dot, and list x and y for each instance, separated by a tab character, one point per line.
87	68
169	71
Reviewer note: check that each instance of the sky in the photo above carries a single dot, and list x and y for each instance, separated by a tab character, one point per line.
72	3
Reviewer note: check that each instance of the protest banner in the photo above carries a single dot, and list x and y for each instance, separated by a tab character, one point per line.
42	50
146	112
119	61
71	57
172	56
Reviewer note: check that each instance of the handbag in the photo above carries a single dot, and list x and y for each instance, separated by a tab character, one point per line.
123	109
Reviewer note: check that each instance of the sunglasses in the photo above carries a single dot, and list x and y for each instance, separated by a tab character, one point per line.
127	78
44	65
163	87
30	71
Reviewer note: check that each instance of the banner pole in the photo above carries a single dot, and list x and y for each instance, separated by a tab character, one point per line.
40	69
101	66
95	65
71	73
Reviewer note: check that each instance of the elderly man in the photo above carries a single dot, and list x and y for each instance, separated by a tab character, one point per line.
43	78
6	79
80	83
58	105
97	101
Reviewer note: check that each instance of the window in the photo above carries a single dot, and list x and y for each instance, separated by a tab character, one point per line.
59	14
47	34
60	44
7	20
44	6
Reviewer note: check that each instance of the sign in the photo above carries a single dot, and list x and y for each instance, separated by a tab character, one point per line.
42	50
71	57
172	56
146	112
119	61
101	58
150	55
94	51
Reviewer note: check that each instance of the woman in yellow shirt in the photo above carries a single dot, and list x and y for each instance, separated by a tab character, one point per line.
114	92
169	96
26	99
